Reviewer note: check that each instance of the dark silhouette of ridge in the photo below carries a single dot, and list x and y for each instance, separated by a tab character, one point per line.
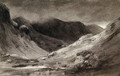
66	31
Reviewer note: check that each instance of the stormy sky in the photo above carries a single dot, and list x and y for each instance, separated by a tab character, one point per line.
98	12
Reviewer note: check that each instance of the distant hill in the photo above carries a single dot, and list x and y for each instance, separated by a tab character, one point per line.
66	31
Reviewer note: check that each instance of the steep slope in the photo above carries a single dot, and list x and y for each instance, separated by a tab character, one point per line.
92	55
12	43
66	31
95	29
46	42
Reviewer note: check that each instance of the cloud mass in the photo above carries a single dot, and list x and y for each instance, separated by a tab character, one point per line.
86	11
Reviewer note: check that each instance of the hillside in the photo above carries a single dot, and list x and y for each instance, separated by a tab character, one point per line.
95	54
66	31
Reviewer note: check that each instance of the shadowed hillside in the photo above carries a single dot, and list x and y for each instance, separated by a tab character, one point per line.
66	31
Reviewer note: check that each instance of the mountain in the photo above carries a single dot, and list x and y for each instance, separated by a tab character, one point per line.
66	31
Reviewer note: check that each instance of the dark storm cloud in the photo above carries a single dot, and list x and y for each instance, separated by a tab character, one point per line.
87	11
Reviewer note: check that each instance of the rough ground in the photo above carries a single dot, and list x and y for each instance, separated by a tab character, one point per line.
91	55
